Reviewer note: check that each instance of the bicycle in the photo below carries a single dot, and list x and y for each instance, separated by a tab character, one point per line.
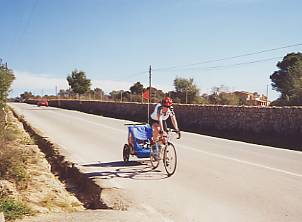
164	149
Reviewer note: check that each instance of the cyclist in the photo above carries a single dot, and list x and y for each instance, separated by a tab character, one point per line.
161	113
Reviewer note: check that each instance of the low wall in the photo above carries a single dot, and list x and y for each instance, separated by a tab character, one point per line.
275	126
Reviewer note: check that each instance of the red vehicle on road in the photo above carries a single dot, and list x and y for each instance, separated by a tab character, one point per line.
42	102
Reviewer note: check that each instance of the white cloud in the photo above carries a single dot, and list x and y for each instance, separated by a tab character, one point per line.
36	83
42	83
109	85
25	80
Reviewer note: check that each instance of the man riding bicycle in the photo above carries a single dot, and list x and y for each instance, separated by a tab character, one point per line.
161	113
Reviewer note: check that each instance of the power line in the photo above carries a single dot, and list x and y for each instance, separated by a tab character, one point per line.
228	58
173	68
225	66
245	63
135	74
209	68
219	60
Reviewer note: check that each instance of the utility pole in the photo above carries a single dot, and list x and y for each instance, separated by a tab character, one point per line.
121	96
149	99
267	94
186	95
57	94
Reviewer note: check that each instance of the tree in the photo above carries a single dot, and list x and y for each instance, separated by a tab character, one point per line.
68	93
202	99
98	93
6	79
62	93
78	82
221	95
288	79
156	94
26	95
89	94
219	89
136	92
137	88
228	98
115	95
186	90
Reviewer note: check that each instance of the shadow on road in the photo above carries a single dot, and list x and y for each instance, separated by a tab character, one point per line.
136	170
115	164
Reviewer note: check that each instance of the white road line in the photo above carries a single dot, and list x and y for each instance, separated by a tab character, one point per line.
241	161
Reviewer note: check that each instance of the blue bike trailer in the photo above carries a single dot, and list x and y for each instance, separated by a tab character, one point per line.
141	133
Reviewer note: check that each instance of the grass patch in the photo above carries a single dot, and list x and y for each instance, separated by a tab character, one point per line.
12	158
13	133
13	168
14	209
12	165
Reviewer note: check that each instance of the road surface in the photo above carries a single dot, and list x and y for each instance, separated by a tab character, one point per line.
216	179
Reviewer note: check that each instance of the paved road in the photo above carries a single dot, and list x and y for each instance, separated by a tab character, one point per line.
216	179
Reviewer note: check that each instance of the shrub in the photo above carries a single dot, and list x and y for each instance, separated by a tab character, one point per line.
12	159
13	209
13	167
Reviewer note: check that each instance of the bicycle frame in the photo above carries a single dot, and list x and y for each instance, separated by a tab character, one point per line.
163	149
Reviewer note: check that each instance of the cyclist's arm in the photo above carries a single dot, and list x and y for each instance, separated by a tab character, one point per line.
160	120
174	122
173	118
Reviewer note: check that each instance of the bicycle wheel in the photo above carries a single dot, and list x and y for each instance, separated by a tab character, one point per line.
170	159
126	153
154	156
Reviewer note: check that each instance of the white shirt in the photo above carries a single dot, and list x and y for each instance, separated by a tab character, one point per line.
159	110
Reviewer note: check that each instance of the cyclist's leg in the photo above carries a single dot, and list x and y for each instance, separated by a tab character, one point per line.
130	140
164	138
155	129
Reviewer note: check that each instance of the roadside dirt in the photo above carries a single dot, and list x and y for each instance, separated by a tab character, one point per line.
43	192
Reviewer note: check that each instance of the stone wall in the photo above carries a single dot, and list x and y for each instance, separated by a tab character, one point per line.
277	126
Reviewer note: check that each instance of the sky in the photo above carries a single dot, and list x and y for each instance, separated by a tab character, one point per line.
115	41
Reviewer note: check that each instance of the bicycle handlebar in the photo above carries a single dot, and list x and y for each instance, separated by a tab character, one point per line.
175	131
